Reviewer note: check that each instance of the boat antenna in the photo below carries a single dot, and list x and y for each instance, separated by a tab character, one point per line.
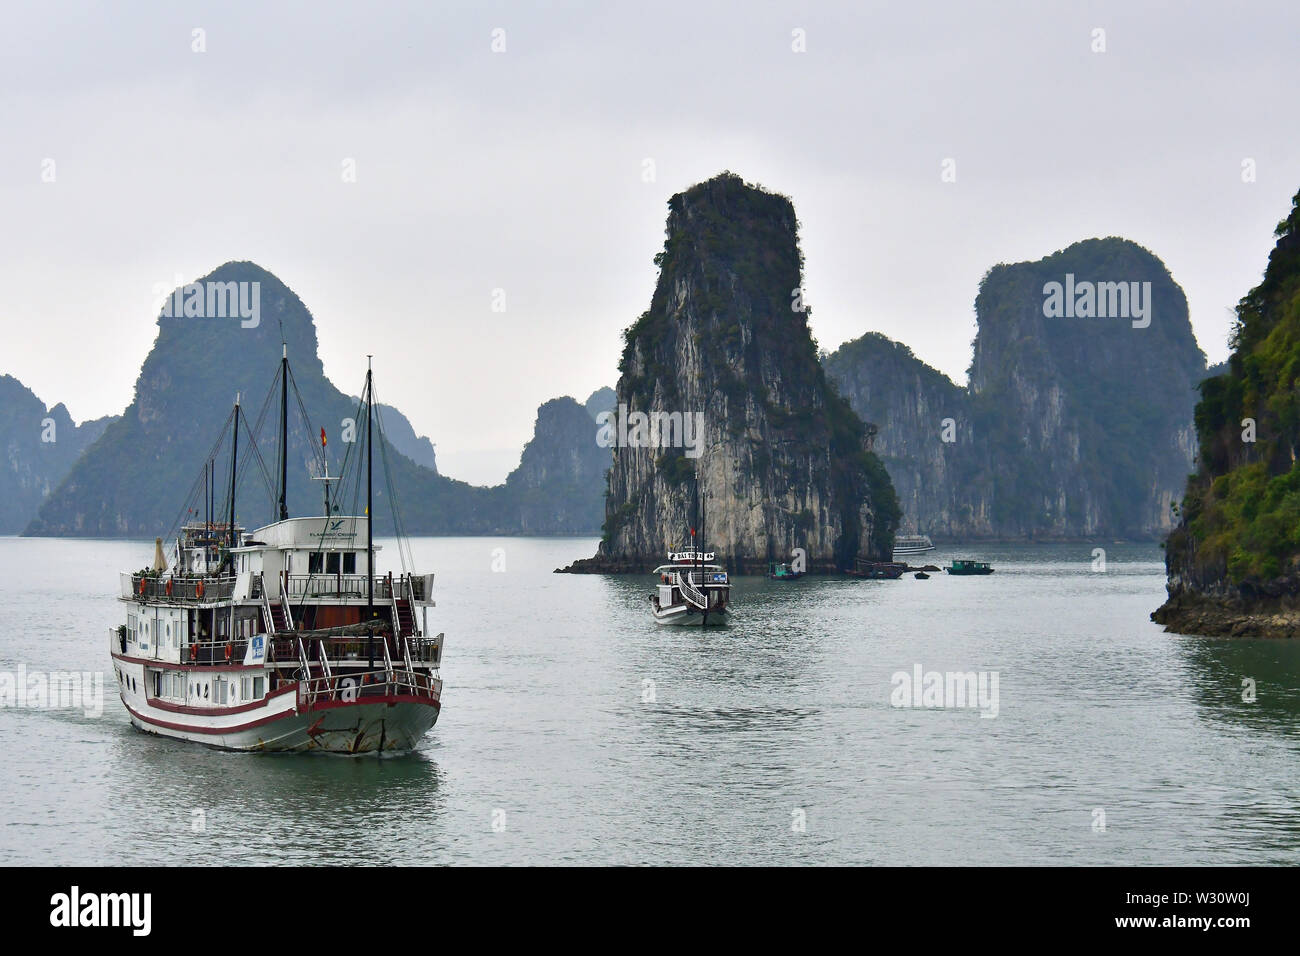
700	555
284	429
234	461
699	542
370	518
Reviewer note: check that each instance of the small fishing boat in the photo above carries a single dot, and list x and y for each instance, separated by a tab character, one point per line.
876	570
967	566
783	572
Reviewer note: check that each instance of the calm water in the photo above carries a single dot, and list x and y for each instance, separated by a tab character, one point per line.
782	717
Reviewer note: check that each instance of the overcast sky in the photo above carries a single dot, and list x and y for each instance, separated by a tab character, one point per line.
525	170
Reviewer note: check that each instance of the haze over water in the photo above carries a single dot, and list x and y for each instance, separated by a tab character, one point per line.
788	709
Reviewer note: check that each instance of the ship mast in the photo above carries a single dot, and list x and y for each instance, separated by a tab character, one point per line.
370	536
234	463
284	430
699	556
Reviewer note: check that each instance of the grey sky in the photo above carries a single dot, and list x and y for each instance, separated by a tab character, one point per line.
523	171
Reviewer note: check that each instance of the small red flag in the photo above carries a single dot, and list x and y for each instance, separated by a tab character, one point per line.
322	438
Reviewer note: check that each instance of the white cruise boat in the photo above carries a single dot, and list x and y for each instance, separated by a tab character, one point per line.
912	544
692	590
284	638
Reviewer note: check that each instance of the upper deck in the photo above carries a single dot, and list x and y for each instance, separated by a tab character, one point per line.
318	559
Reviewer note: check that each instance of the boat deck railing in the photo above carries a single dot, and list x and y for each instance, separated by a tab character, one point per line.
190	589
223	651
352	648
705	579
692	594
349	688
352	587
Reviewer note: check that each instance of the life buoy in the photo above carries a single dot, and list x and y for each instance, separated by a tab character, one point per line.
143	581
194	651
228	650
168	587
198	589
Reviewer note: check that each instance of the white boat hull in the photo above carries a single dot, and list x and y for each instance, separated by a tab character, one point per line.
685	615
353	728
286	721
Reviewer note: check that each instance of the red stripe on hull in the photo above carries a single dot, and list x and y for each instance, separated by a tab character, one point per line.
219	711
207	730
390	700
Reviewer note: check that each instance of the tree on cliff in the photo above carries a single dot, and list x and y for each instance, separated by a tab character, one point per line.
1241	513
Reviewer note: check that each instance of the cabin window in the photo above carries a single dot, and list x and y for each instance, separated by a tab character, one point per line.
258	683
350	563
315	562
332	563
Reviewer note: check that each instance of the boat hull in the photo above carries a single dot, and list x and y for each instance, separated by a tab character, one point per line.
369	726
684	616
290	718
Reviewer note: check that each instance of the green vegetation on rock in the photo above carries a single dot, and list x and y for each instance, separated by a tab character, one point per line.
1241	511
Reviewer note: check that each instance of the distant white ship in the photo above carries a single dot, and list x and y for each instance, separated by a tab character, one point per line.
912	544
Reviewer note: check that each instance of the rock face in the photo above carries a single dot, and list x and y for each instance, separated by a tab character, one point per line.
777	458
142	469
557	488
1233	561
38	446
909	401
402	435
1073	426
601	400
